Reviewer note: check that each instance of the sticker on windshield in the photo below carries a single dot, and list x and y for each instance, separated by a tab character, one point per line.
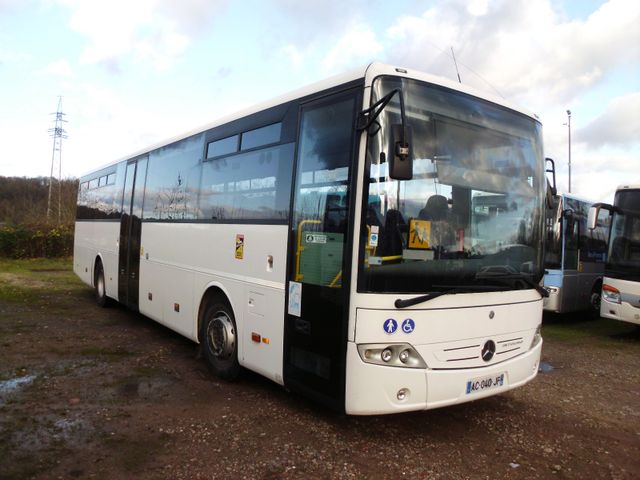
315	238
374	233
419	233
295	299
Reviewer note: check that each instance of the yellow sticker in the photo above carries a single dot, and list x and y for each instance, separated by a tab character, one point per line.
239	246
419	233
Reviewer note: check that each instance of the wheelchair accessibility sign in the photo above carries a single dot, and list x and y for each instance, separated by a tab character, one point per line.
408	326
390	326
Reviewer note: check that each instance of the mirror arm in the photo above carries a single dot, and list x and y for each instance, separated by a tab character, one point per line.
403	148
367	116
552	170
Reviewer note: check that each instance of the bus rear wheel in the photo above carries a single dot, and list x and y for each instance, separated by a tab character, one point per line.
219	339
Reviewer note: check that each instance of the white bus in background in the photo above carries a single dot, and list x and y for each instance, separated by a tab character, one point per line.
327	241
621	285
574	256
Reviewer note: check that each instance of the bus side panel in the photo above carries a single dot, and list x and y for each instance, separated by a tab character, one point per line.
180	261
97	239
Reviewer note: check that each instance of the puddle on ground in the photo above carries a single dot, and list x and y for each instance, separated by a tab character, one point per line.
8	387
42	432
145	387
546	367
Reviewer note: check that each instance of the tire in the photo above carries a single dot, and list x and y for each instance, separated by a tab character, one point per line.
219	339
100	287
595	298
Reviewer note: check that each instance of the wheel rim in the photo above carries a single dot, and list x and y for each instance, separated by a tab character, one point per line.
221	336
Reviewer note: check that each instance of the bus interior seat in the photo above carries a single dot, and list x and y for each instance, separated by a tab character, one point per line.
391	243
436	208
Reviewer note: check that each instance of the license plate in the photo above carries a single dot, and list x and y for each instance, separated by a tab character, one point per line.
481	384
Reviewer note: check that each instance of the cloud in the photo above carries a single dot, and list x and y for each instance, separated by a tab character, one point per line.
617	126
8	57
293	54
310	21
59	68
358	45
522	48
153	31
7	6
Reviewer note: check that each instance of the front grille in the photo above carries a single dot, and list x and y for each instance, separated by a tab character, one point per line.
468	354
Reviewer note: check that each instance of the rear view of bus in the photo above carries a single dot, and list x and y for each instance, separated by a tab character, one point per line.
621	284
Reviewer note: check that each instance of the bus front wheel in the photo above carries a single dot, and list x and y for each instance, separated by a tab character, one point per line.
100	286
220	341
596	298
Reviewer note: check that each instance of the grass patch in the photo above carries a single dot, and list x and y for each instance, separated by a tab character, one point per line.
105	352
33	280
612	332
35	265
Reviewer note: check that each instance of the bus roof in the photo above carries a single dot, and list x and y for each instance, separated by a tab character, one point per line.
628	187
575	197
367	72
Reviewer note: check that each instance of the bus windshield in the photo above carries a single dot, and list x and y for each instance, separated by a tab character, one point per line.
623	260
472	213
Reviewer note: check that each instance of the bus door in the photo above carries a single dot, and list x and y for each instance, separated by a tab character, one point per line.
570	261
319	264
130	233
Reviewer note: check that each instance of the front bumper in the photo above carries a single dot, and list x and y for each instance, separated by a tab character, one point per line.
373	389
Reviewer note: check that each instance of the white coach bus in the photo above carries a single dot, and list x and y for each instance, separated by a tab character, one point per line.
327	241
621	284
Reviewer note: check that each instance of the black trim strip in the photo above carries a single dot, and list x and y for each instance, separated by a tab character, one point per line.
98	220
220	222
391	300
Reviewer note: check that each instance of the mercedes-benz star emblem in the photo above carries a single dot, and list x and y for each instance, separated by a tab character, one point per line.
488	350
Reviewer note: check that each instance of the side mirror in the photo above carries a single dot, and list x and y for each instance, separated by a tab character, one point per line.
594	213
552	171
550	194
401	157
592	218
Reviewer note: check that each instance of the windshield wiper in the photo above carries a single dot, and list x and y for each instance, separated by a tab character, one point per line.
504	276
399	303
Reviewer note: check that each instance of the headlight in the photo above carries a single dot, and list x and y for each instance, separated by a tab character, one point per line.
394	355
536	337
386	355
611	294
404	356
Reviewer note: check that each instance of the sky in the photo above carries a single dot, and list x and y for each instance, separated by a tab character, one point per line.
133	73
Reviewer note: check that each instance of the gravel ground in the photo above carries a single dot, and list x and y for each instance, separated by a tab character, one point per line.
106	393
